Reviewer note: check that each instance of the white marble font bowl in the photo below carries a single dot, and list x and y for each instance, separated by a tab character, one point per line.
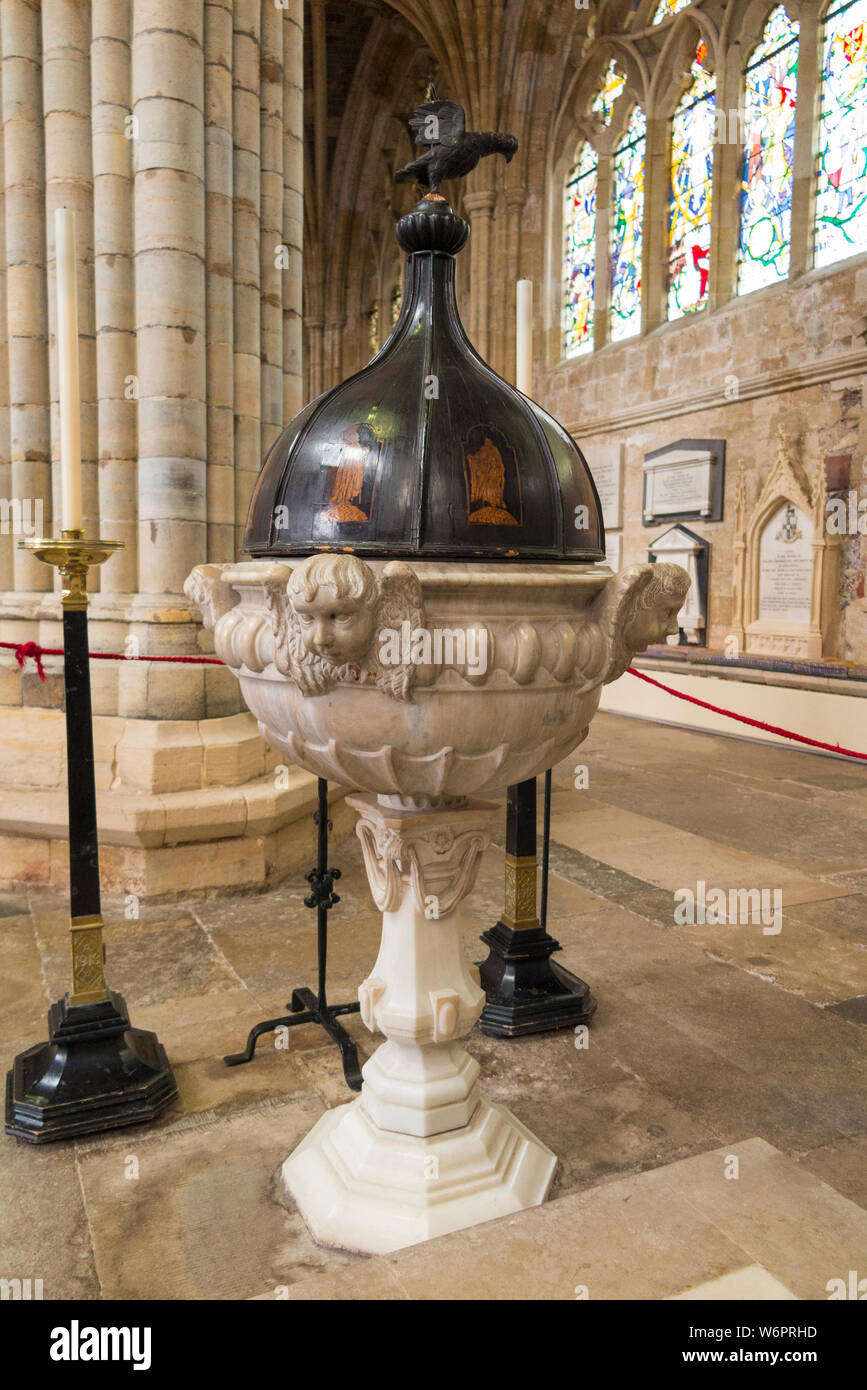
429	681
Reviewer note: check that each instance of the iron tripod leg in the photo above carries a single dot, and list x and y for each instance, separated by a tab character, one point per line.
305	1006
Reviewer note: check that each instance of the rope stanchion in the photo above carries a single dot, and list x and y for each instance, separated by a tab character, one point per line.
745	719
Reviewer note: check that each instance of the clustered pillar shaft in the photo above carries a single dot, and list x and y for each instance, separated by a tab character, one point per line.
272	253
248	305
114	287
219	283
168	100
66	105
26	289
174	130
293	206
7	573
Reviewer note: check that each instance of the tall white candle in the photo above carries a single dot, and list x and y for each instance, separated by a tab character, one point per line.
67	363
524	337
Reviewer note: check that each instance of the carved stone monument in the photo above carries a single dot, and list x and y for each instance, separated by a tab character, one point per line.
683	547
786	564
606	465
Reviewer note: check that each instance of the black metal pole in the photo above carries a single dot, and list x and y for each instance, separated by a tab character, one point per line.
546	851
526	991
95	1072
323	827
81	786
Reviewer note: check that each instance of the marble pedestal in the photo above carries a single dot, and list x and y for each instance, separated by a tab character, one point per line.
421	1152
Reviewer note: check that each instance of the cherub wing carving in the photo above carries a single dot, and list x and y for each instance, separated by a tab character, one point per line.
400	601
206	588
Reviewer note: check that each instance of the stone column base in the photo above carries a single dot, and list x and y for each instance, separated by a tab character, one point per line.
184	806
363	1188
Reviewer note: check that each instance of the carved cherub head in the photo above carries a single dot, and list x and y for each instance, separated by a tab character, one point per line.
638	608
329	633
334	600
657	605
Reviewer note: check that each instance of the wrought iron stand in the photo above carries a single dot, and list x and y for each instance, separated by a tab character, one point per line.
305	1006
526	991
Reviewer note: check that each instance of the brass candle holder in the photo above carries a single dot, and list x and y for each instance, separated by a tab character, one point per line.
96	1072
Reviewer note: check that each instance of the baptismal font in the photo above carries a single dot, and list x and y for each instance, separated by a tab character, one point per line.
427	618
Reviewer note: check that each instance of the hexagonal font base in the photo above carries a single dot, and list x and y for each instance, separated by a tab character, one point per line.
372	1190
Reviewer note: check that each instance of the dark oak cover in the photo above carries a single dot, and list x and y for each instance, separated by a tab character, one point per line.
426	452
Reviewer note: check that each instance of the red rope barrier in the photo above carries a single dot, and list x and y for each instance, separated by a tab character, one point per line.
745	719
23	650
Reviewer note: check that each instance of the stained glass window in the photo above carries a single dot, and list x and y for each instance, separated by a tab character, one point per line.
770	94
627	175
692	144
841	195
669	7
579	260
612	85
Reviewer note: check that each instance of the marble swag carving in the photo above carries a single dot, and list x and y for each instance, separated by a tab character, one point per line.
327	619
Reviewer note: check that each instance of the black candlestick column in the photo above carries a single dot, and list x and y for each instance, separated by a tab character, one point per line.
95	1072
526	991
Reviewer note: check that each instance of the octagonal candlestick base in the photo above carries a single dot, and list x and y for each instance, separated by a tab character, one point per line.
421	1152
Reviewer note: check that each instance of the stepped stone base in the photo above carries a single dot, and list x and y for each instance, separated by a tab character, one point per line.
183	805
368	1189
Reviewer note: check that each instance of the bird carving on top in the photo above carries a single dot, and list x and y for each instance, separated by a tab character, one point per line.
453	150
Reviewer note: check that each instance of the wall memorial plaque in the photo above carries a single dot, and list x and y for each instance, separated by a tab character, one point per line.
786	566
786	563
606	465
613	550
684	481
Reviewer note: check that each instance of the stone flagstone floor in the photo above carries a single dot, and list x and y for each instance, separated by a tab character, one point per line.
709	1039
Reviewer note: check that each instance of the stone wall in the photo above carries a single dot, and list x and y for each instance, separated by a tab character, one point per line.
787	356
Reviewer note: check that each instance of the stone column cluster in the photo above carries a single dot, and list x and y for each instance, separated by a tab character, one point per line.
173	128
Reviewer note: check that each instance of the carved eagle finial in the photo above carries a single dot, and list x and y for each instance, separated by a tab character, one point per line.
453	150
